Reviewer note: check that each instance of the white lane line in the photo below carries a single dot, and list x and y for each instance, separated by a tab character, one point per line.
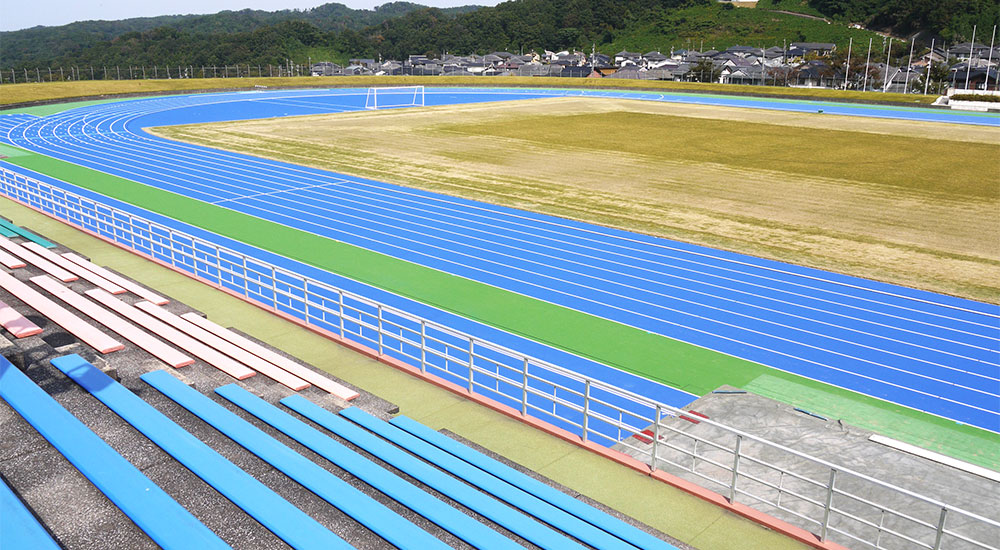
258	195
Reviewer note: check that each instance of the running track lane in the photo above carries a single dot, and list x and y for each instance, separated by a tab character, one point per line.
925	351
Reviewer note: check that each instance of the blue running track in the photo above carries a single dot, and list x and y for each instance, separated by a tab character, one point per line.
926	351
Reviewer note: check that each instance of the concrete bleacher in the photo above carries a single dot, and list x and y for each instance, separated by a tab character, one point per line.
79	517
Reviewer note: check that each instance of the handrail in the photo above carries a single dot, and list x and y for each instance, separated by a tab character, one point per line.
552	393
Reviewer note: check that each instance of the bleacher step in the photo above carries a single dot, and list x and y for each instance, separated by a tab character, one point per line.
153	510
375	516
274	512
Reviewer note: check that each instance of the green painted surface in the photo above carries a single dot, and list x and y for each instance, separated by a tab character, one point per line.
55	108
923	430
9	151
680	365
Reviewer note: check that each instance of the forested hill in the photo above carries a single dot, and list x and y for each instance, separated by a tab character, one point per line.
335	32
39	46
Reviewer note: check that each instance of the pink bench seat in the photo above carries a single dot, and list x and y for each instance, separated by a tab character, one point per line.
60	315
17	324
170	334
10	262
303	372
36	260
267	369
127	330
79	271
128	285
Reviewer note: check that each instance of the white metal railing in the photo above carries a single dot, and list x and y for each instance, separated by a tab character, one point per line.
834	502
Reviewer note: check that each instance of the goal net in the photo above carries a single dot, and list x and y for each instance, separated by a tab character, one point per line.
394	96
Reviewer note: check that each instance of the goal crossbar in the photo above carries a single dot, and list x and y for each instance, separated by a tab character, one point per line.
385	97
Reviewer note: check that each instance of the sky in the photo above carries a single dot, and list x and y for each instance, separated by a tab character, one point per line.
21	14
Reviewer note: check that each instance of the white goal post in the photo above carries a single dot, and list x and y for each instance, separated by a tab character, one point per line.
387	97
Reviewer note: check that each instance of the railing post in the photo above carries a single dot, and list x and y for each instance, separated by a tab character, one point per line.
423	346
829	505
471	361
656	439
218	264
131	232
736	468
246	277
586	408
524	388
173	255
340	300
379	311
305	297
940	529
274	287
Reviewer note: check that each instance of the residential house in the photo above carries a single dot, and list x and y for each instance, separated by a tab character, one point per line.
967	50
356	70
743	51
749	75
326	68
818	48
815	74
938	55
363	63
978	78
624	57
653	59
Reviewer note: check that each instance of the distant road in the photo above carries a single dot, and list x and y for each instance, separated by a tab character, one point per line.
802	15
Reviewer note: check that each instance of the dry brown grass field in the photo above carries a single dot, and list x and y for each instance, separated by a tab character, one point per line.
911	203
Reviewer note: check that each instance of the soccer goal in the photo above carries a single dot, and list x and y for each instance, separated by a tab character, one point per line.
394	96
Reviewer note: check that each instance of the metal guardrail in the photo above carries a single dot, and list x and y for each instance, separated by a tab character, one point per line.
834	502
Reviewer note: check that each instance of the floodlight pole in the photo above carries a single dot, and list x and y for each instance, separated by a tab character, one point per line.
930	61
885	78
909	62
864	88
847	65
989	60
968	66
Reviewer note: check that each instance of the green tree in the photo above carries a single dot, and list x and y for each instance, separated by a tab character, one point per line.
705	71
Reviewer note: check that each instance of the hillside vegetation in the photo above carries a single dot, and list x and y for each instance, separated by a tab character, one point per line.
44	46
335	32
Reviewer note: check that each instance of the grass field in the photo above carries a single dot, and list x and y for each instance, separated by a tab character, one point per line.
905	202
18	94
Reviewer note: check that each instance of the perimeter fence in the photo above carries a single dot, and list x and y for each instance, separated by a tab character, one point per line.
835	503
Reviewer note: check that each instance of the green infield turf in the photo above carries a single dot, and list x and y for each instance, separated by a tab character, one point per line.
691	368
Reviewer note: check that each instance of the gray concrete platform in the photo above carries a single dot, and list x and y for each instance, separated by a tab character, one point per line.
829	440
